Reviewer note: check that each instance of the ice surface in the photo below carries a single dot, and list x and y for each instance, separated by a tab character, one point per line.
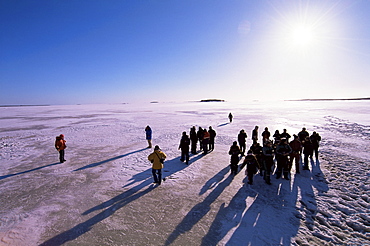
103	194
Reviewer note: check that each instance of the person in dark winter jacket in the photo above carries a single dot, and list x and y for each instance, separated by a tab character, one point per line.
277	137
200	136
252	166
283	151
194	140
302	135
60	145
268	160
315	139
256	149
212	136
285	135
296	146
307	152
234	152
265	135
255	134
231	117
241	140
148	133
184	146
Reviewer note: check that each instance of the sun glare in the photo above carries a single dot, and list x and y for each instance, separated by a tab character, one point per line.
301	35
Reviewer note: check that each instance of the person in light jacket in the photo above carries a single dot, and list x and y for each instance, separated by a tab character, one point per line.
157	158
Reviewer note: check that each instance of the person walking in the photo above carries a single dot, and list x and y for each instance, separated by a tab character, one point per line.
231	117
315	139
283	150
296	146
255	134
242	141
148	133
157	159
252	166
234	152
212	136
268	160
60	145
184	146
194	140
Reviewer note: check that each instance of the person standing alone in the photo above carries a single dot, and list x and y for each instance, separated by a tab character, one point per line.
60	145
157	158
148	133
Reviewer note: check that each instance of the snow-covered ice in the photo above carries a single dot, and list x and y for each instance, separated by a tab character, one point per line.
103	194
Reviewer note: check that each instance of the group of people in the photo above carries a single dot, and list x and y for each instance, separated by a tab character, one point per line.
285	152
206	139
258	159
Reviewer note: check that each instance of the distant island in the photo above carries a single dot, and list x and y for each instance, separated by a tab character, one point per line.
21	105
342	99
212	100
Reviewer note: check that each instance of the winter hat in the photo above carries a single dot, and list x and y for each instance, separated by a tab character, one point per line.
156	147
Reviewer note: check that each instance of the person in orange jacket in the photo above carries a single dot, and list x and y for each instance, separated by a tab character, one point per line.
60	145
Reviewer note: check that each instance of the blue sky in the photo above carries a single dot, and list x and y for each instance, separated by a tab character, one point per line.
70	52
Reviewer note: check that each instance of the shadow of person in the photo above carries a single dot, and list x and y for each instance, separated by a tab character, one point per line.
224	124
200	210
233	214
270	219
212	182
28	171
305	184
110	206
108	160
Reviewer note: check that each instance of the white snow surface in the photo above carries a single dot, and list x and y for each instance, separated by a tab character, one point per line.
103	194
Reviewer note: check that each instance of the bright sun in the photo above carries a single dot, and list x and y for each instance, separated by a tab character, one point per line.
301	35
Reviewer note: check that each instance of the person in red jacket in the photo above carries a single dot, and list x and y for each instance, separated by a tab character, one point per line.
60	145
296	146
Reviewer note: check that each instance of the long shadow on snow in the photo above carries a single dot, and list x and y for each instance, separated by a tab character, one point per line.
115	203
314	179
201	209
108	160
111	206
272	218
258	214
27	171
170	167
224	124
